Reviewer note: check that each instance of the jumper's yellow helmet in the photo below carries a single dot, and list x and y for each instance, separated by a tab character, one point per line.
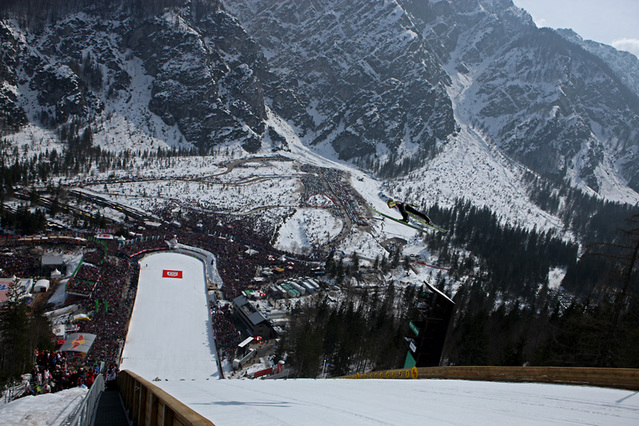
391	204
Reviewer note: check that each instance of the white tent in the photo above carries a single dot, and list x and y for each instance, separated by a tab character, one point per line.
42	286
60	330
56	275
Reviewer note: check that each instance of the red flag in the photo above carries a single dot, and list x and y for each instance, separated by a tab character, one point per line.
171	274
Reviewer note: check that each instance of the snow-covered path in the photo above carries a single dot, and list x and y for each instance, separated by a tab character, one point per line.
168	339
170	335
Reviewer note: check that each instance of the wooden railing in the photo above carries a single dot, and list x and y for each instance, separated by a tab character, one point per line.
620	378
147	404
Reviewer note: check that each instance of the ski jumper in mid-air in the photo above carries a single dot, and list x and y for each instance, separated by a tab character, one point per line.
405	209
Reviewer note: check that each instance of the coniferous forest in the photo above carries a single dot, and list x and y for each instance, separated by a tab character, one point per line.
505	313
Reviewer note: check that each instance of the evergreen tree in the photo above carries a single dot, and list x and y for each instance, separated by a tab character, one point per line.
329	267
473	339
15	354
396	257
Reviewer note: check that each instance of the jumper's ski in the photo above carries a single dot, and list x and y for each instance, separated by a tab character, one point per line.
430	225
422	224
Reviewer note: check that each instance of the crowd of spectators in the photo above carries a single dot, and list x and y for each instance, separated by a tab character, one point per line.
110	303
320	180
226	336
143	244
94	257
241	252
88	274
52	372
105	286
85	280
18	262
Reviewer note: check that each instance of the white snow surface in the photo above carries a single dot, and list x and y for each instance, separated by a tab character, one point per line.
169	339
42	410
307	228
401	402
175	311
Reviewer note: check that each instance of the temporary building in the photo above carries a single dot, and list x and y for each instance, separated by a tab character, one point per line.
251	252
42	286
59	330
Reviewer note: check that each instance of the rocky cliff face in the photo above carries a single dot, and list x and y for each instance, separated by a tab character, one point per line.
12	117
383	84
400	73
542	98
203	75
206	76
355	75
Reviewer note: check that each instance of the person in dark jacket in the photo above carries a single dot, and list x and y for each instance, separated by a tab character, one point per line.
405	209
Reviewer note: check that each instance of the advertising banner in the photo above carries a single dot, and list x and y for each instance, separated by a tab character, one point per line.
171	274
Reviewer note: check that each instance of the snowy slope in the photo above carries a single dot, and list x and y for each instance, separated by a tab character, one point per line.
175	311
168	338
402	402
42	410
340	402
468	168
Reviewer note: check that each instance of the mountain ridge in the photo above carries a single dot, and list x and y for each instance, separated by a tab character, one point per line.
387	89
478	39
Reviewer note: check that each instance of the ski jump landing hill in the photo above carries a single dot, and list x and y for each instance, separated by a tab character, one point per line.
171	346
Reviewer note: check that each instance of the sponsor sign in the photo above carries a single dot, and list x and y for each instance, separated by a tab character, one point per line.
171	274
77	342
80	342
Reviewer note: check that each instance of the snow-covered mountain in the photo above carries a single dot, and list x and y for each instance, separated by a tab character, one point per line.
426	90
166	79
540	98
360	76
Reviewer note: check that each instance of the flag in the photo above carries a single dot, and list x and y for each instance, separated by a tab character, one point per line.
79	342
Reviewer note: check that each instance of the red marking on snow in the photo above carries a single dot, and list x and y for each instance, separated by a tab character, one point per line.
171	274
